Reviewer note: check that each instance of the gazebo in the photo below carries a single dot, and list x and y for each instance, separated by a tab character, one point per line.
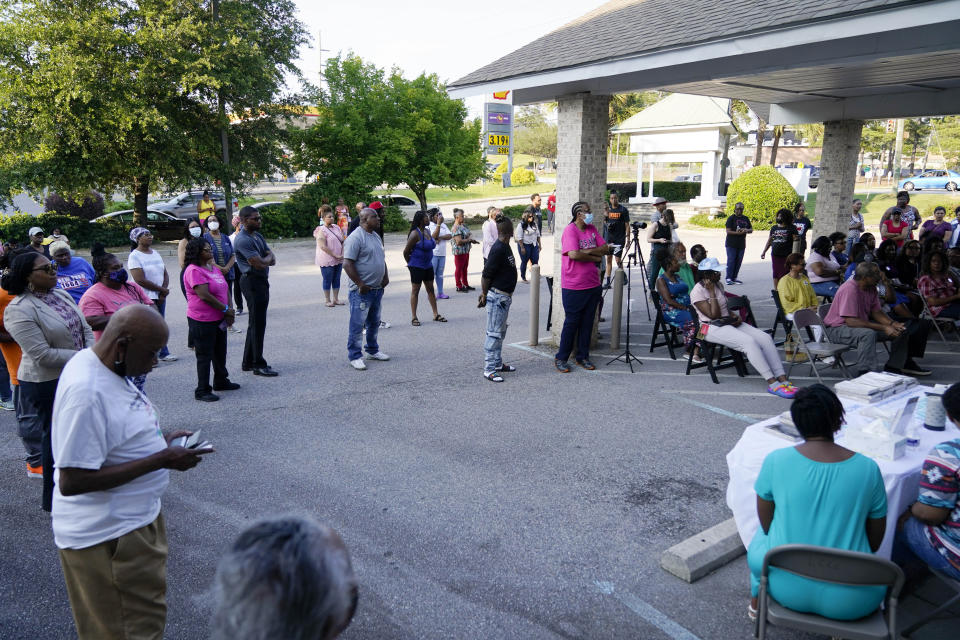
682	128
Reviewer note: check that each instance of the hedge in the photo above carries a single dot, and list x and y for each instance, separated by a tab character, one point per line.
672	191
763	192
521	176
82	233
718	221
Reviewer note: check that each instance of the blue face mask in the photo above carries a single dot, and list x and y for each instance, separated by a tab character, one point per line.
588	218
118	276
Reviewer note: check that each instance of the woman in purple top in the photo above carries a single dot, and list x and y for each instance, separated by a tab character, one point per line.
418	253
209	313
937	227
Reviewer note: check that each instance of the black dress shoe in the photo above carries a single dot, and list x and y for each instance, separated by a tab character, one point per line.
226	386
208	397
246	368
265	371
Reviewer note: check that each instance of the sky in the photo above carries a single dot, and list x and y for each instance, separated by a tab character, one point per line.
448	37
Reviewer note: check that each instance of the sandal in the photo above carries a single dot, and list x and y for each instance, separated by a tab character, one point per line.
415	322
493	376
507	367
339	304
439	318
751	612
329	304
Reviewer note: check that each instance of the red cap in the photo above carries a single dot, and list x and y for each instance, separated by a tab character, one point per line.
376	205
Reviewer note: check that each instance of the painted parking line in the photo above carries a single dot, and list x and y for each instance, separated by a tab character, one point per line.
721	393
722	412
649	613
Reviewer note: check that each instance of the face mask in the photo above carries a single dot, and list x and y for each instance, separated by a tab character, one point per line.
195	232
682	261
213	226
118	276
588	219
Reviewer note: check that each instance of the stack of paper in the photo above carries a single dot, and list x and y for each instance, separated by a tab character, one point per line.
873	387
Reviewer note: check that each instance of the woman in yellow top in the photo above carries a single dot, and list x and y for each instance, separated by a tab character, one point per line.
795	289
205	207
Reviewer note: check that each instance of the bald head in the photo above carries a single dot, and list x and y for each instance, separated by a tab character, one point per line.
132	339
369	219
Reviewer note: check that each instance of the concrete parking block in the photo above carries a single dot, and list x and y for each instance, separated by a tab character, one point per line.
698	555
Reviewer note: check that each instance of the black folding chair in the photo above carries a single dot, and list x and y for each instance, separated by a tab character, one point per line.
664	330
780	321
708	350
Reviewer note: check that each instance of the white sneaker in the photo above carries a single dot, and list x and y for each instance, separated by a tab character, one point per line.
385	325
169	358
379	355
358	364
235	329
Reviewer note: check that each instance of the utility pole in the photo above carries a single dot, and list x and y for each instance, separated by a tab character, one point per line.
926	155
224	141
897	152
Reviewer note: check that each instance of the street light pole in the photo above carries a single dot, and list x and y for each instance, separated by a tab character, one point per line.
897	152
224	141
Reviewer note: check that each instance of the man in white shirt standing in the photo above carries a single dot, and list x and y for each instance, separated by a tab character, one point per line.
489	231
441	235
111	471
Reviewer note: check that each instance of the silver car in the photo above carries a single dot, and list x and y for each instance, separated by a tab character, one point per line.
184	205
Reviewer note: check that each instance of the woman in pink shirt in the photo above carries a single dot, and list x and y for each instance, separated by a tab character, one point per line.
329	256
583	248
209	314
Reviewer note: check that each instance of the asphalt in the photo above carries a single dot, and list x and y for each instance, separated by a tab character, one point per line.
536	508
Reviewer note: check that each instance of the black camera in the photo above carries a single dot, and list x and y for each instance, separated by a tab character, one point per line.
638	225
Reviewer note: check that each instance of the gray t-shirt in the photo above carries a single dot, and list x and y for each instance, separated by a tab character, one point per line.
247	245
365	249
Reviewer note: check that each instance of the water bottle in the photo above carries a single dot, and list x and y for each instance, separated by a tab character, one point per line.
913	436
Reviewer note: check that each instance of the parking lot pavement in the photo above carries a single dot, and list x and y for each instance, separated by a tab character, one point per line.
537	508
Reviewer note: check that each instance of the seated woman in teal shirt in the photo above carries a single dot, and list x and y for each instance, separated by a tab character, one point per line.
818	493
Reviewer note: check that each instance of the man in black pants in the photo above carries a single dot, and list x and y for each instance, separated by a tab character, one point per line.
254	259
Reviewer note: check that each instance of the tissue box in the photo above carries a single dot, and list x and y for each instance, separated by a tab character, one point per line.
889	447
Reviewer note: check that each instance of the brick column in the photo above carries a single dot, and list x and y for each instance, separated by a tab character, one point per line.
582	121
838	174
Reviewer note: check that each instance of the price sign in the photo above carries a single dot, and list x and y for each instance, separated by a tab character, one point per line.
498	140
503	151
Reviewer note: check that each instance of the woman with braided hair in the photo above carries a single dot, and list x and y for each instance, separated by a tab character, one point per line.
583	249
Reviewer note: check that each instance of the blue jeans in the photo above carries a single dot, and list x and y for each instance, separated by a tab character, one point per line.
498	306
911	545
331	277
6	393
579	308
825	288
439	262
162	308
531	254
734	260
364	314
850	242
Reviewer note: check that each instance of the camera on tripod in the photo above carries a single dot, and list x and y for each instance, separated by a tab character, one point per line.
638	225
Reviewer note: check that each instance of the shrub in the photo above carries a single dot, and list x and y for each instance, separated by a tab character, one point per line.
394	220
502	169
514	210
90	208
521	176
763	191
82	233
624	189
718	221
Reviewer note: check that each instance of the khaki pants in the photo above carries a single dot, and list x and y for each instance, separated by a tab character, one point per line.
118	588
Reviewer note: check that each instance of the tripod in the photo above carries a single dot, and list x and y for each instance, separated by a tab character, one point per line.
627	356
636	257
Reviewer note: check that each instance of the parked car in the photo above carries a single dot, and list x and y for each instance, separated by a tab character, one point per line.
407	206
931	179
814	177
184	205
162	225
266	208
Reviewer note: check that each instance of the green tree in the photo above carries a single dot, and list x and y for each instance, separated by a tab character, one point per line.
376	128
124	95
948	138
918	130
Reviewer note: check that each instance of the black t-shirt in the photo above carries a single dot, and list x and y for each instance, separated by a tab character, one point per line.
617	220
781	240
737	222
803	225
500	268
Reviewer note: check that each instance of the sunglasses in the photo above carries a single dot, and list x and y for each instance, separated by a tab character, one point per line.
50	267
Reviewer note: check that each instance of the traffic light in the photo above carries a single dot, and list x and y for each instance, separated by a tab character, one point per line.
891	126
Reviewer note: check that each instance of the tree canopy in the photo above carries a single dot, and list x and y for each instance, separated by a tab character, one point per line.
378	128
123	94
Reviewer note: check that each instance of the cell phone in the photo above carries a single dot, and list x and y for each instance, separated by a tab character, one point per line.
192	441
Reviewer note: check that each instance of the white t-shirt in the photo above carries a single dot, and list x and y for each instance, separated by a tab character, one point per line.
441	249
100	419
152	265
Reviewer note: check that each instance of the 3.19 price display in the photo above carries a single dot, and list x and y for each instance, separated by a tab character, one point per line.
498	140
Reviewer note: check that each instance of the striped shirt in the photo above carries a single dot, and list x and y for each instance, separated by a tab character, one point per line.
939	487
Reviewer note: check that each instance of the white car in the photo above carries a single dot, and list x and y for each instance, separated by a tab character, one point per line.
407	206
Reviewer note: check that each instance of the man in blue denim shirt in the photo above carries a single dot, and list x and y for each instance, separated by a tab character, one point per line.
365	264
498	282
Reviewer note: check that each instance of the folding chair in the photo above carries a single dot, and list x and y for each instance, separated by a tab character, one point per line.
950	582
708	349
663	329
819	348
780	320
882	339
736	303
926	314
834	566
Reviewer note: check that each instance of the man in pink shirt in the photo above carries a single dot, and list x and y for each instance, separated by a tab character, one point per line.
583	249
855	319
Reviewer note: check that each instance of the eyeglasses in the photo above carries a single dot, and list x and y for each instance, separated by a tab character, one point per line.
50	267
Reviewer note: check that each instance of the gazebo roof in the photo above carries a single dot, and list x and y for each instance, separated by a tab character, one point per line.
679	110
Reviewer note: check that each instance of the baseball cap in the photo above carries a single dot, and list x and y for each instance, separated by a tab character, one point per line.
376	205
709	264
660	201
34	231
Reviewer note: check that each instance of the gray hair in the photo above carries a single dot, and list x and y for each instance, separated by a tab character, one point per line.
287	577
490	210
367	211
866	270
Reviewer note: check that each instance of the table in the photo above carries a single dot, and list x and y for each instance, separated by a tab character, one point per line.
901	477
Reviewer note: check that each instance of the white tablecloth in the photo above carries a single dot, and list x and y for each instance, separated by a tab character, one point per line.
901	477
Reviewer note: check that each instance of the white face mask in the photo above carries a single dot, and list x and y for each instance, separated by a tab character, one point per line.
195	232
213	226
